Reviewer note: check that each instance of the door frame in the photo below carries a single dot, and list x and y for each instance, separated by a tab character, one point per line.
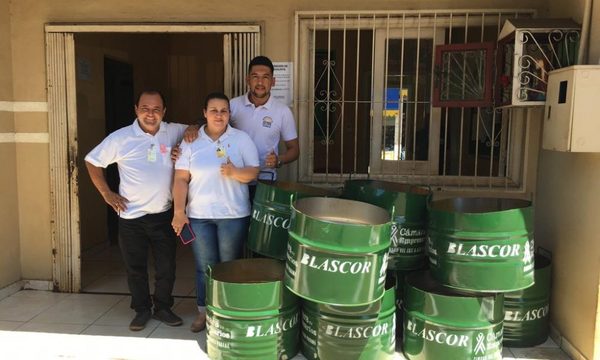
62	119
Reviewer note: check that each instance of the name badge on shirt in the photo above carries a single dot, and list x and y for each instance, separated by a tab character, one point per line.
267	121
221	151
152	153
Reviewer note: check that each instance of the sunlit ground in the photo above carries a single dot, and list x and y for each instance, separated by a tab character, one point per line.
34	345
47	325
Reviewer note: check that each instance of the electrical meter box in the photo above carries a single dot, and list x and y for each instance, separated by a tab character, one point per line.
572	109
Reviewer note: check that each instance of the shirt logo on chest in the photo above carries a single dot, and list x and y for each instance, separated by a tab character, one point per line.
267	121
221	152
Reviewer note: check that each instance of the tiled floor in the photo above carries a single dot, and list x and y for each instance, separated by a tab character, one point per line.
46	325
103	272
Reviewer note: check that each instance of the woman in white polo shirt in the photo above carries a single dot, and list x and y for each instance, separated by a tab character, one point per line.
213	172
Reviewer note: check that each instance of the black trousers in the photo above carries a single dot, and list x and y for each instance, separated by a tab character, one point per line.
135	237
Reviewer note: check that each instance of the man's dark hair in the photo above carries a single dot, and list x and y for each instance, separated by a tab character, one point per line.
215	95
261	60
151	92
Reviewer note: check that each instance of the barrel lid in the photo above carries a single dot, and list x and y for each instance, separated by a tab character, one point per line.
341	211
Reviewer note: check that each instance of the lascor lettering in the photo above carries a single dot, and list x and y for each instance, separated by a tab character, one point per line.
440	337
338	266
271	220
529	315
491	251
273	329
363	332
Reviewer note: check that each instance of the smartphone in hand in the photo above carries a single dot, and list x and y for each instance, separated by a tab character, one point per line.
187	235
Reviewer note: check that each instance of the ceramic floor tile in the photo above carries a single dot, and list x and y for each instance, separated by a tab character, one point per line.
10	325
78	309
110	316
539	353
115	284
120	315
299	357
53	328
117	268
507	354
17	308
549	343
18	345
109	330
88	278
50	296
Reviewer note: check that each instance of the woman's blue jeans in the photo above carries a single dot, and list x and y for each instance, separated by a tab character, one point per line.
217	240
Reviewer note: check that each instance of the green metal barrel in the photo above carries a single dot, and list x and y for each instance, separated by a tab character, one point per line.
349	332
271	213
250	313
398	277
408	204
441	323
337	251
526	312
482	244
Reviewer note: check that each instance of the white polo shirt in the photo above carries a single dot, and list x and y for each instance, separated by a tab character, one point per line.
210	194
145	166
266	124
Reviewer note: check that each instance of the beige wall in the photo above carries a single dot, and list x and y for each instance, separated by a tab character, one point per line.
28	63
568	198
9	218
567	208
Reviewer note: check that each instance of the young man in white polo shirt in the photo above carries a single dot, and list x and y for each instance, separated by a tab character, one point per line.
265	119
142	153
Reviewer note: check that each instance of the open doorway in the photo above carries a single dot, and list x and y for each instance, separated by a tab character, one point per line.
118	112
111	69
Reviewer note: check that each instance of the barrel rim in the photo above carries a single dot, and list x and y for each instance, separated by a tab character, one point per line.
387	304
391	186
478	205
377	216
306	297
442	290
294	187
